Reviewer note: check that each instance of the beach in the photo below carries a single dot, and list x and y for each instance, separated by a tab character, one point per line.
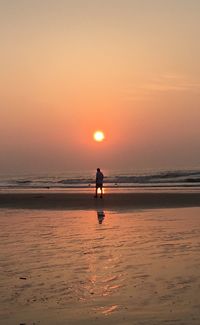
130	258
100	97
110	201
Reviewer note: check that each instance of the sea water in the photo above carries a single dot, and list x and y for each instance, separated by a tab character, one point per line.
119	179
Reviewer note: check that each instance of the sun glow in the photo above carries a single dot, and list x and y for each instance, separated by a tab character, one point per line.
99	136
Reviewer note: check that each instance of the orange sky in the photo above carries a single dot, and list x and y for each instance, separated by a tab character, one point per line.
130	68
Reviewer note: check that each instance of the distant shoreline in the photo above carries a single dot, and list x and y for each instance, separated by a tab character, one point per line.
110	201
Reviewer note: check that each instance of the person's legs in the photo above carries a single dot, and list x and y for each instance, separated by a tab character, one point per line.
96	191
101	188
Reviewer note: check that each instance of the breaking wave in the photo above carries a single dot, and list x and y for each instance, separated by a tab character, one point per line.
112	179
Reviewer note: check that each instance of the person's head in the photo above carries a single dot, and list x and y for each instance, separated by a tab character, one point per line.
98	169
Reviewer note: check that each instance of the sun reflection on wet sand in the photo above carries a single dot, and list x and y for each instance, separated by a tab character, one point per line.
131	265
107	310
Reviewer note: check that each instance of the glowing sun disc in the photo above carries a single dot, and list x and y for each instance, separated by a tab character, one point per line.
99	136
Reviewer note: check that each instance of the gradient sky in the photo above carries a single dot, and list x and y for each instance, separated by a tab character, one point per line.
128	67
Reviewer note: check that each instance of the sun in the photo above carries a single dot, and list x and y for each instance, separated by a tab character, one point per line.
99	136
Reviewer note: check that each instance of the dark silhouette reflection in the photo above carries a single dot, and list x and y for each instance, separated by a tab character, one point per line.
100	216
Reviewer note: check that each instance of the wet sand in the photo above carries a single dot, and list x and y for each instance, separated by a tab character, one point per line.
110	201
100	267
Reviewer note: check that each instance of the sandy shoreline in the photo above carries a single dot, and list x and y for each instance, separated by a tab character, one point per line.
111	201
134	268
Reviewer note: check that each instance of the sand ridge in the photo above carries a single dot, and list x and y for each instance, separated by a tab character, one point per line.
110	201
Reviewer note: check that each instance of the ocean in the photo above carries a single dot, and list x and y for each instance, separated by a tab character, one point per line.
113	180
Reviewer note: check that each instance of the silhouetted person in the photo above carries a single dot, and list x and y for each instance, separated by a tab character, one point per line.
99	182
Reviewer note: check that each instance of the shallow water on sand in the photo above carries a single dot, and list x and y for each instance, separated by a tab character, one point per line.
85	267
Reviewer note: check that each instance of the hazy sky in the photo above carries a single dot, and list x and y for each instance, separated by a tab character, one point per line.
128	67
